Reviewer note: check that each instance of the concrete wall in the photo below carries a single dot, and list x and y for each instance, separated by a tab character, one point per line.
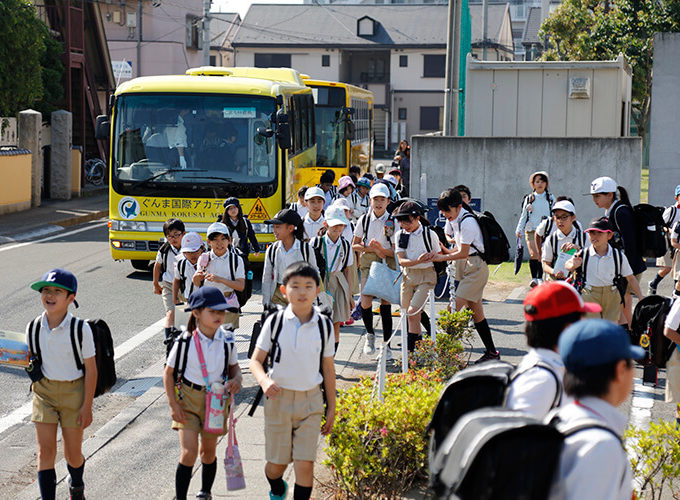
15	180
497	170
664	147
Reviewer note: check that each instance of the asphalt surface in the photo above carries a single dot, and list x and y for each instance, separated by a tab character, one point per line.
133	452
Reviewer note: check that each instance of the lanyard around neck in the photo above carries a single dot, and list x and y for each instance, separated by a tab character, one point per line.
335	257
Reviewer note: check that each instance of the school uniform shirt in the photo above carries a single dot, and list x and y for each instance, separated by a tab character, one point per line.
302	211
58	359
312	226
466	231
348	233
329	197
246	241
623	222
173	255
534	390
189	270
593	463
415	246
673	318
360	205
334	263
558	238
601	269
221	266
540	207
272	275
376	230
671	215
300	345
213	354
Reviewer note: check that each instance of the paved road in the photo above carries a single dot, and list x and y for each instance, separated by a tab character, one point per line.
132	449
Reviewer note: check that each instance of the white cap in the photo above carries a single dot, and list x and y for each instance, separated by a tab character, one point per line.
603	185
191	242
379	190
341	202
314	192
391	179
218	227
565	205
335	216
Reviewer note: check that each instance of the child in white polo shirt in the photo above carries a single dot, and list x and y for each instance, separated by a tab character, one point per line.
164	269
598	358
300	206
62	393
185	267
313	221
298	343
671	215
416	246
566	237
225	270
361	203
670	330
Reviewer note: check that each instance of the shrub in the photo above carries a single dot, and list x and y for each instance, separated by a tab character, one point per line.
655	458
378	448
456	323
445	358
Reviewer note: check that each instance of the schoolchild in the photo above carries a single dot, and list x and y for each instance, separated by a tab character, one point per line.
290	247
326	185
599	262
355	173
346	188
567	236
401	188
675	244
302	362
380	170
64	394
361	202
185	267
300	206
465	193
416	246
339	256
243	234
373	240
457	267
620	213
547	226
206	365
348	234
548	309
535	207
470	248
670	330
598	358
225	270
671	215
164	269
315	199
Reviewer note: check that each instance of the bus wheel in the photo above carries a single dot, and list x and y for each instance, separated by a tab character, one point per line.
140	265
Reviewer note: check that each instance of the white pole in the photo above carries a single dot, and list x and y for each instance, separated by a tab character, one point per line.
382	371
433	323
404	342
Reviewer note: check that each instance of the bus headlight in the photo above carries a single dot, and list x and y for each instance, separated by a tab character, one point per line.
127	225
261	228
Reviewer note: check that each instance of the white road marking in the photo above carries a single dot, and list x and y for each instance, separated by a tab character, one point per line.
54	237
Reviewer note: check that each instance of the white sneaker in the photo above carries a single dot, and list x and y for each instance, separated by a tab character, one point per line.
388	353
369	346
533	283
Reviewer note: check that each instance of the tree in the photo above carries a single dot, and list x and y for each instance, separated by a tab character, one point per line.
581	30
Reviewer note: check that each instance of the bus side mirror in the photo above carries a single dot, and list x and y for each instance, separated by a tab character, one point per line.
102	127
282	130
350	130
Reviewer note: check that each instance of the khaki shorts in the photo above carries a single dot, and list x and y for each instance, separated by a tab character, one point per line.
292	425
416	285
609	300
673	377
473	281
366	259
629	289
193	405
168	303
58	401
666	260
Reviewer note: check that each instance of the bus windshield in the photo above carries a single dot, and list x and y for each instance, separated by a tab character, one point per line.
331	143
193	145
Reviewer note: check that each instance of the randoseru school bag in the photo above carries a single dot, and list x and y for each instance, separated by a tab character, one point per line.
649	317
649	225
433	244
496	246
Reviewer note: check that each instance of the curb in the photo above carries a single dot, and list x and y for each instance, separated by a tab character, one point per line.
79	219
53	227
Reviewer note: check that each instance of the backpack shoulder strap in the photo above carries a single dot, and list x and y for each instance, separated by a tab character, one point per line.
365	223
618	261
227	353
586	424
276	327
305	250
553	246
427	239
324	332
182	355
558	392
347	248
34	337
77	343
181	267
584	264
233	264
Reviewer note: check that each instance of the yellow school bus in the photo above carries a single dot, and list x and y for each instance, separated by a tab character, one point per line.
182	144
344	129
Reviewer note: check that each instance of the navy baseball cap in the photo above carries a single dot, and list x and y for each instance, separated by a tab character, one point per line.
286	216
207	296
593	342
231	201
61	278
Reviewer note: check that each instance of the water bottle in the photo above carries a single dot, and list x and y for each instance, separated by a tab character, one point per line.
249	276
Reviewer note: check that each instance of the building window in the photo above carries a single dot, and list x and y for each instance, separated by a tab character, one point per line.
213	60
403	61
325	60
193	31
402	113
430	118
272	61
434	65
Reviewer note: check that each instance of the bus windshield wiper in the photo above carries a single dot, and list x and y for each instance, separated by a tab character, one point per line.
226	180
164	172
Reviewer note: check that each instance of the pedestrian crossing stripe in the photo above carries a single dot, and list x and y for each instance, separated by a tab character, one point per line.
258	212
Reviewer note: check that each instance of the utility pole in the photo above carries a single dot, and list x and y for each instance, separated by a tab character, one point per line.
206	32
451	91
485	28
139	37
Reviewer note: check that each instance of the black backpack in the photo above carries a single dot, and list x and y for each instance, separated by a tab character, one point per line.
164	250
478	386
247	291
103	344
501	454
496	246
439	267
649	226
649	317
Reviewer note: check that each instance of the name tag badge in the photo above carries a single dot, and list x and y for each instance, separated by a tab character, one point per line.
228	336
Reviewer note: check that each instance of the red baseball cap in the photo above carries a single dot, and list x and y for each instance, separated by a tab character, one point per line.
553	299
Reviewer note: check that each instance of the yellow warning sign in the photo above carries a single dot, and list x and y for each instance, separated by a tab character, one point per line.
258	212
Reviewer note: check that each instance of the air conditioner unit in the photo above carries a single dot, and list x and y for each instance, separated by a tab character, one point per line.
131	20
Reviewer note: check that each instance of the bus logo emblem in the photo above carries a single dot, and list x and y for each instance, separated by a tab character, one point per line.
258	212
128	208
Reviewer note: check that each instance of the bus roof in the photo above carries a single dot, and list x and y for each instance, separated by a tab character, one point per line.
353	90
